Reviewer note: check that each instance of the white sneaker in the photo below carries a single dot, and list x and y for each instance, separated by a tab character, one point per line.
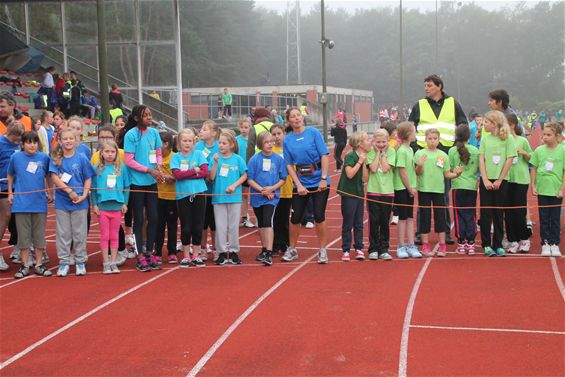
179	247
525	246
309	225
80	269
374	255
513	248
322	256
394	220
15	254
247	223
505	243
106	268
290	254
555	252
545	250
122	257
63	270
3	265
385	256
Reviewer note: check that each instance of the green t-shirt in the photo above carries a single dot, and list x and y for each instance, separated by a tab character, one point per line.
468	178
432	178
379	182
404	159
227	99
496	152
550	166
353	186
519	171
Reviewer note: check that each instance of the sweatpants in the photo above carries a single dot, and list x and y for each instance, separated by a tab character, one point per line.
191	210
281	225
515	218
227	226
550	219
167	220
71	228
352	213
495	216
465	219
379	229
139	201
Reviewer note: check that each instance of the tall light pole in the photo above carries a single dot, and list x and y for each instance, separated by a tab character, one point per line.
324	100
437	40
401	112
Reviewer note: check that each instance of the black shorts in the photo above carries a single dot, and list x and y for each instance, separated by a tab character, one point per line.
3	194
264	215
405	204
209	219
319	200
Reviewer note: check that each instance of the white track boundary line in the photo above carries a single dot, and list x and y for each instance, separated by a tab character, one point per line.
488	329
558	279
403	359
81	318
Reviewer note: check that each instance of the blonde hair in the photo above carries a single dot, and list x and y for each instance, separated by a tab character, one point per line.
185	132
261	139
117	161
356	138
432	131
404	130
57	152
213	127
243	120
230	135
382	132
502	129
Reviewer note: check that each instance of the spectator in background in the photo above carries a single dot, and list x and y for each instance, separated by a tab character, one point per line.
48	84
89	104
227	100
116	97
8	113
339	133
263	123
278	118
155	95
474	128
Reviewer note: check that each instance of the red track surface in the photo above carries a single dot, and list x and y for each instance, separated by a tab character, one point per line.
341	319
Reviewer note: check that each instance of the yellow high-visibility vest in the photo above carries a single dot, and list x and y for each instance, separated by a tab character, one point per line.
445	123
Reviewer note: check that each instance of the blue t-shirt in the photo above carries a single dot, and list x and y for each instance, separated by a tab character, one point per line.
79	170
144	147
209	154
187	187
50	133
305	148
266	171
473	139
29	172
112	187
228	171
242	147
7	149
83	149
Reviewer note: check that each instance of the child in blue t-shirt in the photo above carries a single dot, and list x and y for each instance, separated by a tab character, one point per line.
228	173
71	173
244	125
76	124
267	174
109	201
190	168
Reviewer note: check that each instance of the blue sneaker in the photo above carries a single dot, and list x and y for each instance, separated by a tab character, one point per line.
500	252
63	270
489	252
413	251
402	252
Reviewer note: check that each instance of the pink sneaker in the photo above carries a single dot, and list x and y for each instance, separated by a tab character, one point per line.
470	248
173	259
359	255
427	251
461	248
441	250
345	256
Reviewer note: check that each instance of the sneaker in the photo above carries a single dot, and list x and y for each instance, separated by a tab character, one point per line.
15	254
402	252
204	255
427	250
345	256
359	255
247	223
413	251
132	254
44	257
394	220
374	255
290	254
449	240
80	269
385	256
505	243
22	272
155	262
470	248
461	248
106	268
513	249
322	256
173	259
309	225
500	252
41	270
222	259
268	260
555	252
114	268
530	225
185	263
234	258
197	261
261	256
142	264
489	252
441	252
524	246
122	257
3	265
63	270
545	250
179	247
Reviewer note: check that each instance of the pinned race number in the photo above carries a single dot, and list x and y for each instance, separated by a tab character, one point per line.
515	160
206	152
266	165
548	165
153	157
66	177
183	165
440	161
496	159
111	181
224	169
31	167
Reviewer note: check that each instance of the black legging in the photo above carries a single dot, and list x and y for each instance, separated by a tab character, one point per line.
191	211
338	151
139	201
168	218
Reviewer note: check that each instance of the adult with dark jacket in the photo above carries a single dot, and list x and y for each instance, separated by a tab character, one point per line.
116	97
339	133
262	123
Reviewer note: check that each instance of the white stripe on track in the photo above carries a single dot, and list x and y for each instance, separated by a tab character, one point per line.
488	329
403	359
558	279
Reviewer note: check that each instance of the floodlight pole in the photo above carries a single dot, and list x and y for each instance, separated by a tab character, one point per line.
324	98
103	62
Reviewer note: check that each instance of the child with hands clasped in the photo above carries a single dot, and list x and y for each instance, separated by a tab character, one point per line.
351	190
548	184
496	153
228	173
71	173
432	166
109	201
380	194
267	174
244	125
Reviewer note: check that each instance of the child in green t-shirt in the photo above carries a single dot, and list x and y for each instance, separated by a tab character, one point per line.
431	167
464	189
548	184
350	187
496	153
380	194
516	223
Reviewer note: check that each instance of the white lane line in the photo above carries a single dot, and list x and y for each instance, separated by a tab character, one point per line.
558	279
200	364
21	354
488	329
403	359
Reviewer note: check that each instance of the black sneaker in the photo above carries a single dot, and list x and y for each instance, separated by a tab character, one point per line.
235	258
268	260
222	259
448	239
261	256
142	265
